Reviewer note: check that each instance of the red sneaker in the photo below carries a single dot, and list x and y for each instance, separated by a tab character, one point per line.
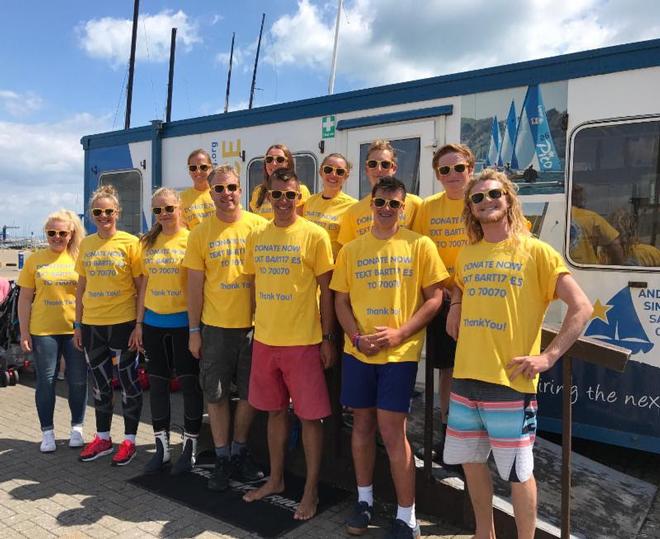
98	447
125	454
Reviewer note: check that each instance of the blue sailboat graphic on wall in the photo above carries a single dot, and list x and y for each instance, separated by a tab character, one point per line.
534	144
507	148
494	146
623	327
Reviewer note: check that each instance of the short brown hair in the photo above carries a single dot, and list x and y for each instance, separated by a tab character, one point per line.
224	170
454	148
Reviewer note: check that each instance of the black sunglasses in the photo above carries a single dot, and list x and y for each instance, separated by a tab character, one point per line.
277	158
338	171
493	194
389	202
446	169
289	195
385	165
166	209
230	187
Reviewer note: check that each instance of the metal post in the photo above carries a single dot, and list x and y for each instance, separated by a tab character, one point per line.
131	66
333	68
231	61
256	62
170	77
566	441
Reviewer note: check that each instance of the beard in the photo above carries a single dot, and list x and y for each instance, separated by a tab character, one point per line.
492	217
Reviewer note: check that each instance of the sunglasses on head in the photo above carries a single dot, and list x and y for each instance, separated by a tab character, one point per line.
493	194
166	209
446	169
289	195
203	168
338	171
97	212
389	202
385	164
60	233
279	159
230	187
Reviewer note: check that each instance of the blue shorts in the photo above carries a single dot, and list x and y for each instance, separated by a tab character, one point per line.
386	387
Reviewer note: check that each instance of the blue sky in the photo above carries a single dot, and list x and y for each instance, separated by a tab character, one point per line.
64	64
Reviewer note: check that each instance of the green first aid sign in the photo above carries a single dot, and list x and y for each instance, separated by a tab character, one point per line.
328	127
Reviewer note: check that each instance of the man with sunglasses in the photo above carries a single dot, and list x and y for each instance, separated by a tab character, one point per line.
505	280
289	260
381	162
388	287
441	219
221	319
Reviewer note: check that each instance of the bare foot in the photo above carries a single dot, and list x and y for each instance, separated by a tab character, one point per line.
308	505
268	488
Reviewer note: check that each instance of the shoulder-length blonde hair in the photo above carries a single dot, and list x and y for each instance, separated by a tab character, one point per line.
75	227
514	213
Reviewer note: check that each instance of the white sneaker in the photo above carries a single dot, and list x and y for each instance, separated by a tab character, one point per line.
48	442
76	438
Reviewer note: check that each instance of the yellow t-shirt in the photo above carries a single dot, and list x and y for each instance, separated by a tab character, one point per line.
328	213
109	265
440	218
161	263
588	232
357	219
266	209
218	249
642	254
285	262
505	296
196	206
384	280
54	279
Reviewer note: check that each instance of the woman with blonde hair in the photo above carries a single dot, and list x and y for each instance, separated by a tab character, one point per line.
327	208
46	311
277	156
109	275
196	201
162	330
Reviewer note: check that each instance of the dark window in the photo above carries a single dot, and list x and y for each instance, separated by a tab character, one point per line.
128	184
306	170
614	195
407	154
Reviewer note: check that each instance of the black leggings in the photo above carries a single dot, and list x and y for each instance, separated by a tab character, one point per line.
167	349
106	346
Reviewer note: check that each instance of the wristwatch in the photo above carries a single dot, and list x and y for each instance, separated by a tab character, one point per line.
328	337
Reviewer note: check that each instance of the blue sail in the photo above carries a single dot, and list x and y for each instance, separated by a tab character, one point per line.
507	148
534	145
623	327
494	146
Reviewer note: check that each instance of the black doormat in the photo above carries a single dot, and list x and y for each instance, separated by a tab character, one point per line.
270	517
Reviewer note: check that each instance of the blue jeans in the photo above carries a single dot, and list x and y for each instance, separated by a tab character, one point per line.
46	353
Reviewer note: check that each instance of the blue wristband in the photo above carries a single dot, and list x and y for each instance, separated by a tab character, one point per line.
194	330
77	325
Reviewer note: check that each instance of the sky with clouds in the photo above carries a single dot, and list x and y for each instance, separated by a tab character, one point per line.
65	64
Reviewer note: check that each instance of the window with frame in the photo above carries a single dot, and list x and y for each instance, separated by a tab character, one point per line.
128	184
407	155
614	217
305	165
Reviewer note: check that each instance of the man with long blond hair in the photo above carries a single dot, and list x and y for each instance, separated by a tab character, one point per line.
505	280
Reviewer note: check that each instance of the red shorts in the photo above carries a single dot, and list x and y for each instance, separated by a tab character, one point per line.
282	372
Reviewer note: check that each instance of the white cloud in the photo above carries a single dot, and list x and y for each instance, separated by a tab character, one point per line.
386	41
41	167
222	58
17	104
109	38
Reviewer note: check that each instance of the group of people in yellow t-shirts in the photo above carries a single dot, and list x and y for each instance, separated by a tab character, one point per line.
258	303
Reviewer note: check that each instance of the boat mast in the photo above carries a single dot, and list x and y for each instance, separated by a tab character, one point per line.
131	66
170	77
256	61
231	60
331	82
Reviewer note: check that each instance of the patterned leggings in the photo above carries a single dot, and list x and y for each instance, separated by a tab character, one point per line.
107	347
